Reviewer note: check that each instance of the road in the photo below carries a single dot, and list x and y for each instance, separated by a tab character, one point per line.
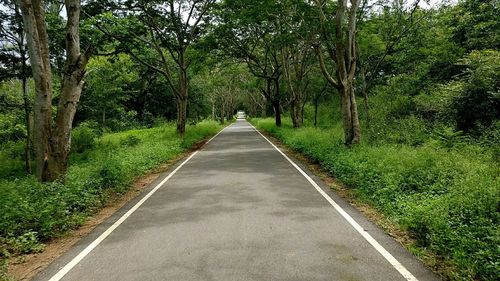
237	210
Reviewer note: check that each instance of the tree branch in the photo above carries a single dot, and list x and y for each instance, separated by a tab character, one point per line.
322	65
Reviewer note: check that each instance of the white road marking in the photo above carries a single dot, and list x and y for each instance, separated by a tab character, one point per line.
390	258
63	271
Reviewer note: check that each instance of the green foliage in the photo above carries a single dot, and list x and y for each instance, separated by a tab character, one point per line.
479	102
448	199
83	137
130	140
475	24
32	212
28	243
10	130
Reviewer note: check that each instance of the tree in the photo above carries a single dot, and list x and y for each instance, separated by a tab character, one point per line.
224	85
14	56
169	29
380	35
52	140
297	54
251	36
341	49
110	83
476	24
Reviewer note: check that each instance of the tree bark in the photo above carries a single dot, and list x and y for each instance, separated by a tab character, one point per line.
277	103
350	117
181	103
53	142
277	112
365	97
222	113
37	40
28	145
182	97
24	82
213	110
343	52
296	113
296	62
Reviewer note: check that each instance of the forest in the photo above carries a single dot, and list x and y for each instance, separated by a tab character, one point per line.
398	100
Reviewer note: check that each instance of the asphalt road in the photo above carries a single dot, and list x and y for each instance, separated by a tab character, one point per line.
238	210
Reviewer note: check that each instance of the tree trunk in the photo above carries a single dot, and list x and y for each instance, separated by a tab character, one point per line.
222	113
276	103
52	144
182	101
37	40
263	106
342	50
296	113
365	97
24	82
350	118
277	112
140	101
27	148
181	115
213	109
302	108
71	89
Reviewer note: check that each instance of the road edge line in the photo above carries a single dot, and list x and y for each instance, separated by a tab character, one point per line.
388	256
63	271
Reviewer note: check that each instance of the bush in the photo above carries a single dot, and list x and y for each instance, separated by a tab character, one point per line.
130	140
11	129
83	137
478	103
110	174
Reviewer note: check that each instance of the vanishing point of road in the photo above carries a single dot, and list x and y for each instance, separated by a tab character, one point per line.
237	209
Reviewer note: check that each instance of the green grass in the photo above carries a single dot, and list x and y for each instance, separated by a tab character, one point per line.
447	199
31	212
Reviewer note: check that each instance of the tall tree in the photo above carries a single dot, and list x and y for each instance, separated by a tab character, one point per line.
252	37
52	140
169	29
384	32
14	55
338	35
297	53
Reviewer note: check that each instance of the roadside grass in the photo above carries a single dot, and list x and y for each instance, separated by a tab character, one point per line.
31	212
447	199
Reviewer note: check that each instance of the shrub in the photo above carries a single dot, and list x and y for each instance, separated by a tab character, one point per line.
110	174
130	140
11	129
478	103
28	243
82	138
